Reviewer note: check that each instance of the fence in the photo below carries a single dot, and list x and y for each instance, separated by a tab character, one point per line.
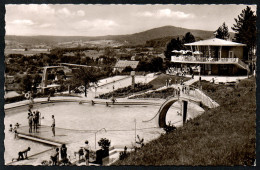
205	99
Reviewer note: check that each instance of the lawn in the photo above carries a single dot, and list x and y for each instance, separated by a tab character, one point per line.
222	136
161	80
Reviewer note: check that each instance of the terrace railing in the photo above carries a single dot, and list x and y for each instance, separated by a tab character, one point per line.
194	59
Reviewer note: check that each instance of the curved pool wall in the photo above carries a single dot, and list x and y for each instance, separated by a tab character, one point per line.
118	120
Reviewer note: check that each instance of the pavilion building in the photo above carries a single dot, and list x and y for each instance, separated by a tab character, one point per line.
214	57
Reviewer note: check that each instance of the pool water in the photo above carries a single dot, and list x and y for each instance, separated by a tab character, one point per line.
119	122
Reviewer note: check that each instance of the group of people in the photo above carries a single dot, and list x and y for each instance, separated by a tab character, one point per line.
14	129
169	82
184	89
63	155
179	71
60	153
84	152
33	120
16	126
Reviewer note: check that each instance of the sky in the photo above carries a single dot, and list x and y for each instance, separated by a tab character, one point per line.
97	20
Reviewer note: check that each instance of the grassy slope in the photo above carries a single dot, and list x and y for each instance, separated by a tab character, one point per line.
161	80
221	136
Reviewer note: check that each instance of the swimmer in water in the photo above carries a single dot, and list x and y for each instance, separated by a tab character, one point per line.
11	128
17	125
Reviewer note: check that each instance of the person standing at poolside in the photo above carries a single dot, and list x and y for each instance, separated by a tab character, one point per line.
179	91
53	125
86	150
37	115
30	121
49	98
55	157
35	122
170	82
63	153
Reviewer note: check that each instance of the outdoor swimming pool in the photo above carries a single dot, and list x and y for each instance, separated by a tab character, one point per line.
119	122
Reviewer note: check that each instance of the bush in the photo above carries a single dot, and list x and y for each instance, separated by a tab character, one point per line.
169	129
163	94
104	143
247	83
14	99
123	155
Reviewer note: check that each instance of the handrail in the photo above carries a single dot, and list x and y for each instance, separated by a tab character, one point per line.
210	60
242	64
204	59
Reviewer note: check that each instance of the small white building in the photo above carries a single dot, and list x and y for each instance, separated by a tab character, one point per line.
122	64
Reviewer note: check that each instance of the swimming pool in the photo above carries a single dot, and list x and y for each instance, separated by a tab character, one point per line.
119	122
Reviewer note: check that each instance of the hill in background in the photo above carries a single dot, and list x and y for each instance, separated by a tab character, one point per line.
129	39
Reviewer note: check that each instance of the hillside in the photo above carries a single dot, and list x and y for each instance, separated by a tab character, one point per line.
142	37
222	136
132	39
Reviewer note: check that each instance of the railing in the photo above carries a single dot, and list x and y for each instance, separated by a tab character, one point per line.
206	100
242	64
204	59
194	59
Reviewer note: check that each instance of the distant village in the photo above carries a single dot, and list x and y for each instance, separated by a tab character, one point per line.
29	59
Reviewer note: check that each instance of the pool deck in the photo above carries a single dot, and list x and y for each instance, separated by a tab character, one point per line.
119	101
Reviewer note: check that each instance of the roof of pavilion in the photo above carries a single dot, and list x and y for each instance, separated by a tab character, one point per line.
214	42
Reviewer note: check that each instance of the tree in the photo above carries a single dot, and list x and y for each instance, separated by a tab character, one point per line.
222	32
127	69
188	38
174	44
109	52
26	83
84	76
157	64
245	29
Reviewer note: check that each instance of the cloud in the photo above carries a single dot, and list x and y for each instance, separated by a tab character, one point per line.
66	12
96	27
98	23
45	25
42	9
22	22
80	13
147	14
166	13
